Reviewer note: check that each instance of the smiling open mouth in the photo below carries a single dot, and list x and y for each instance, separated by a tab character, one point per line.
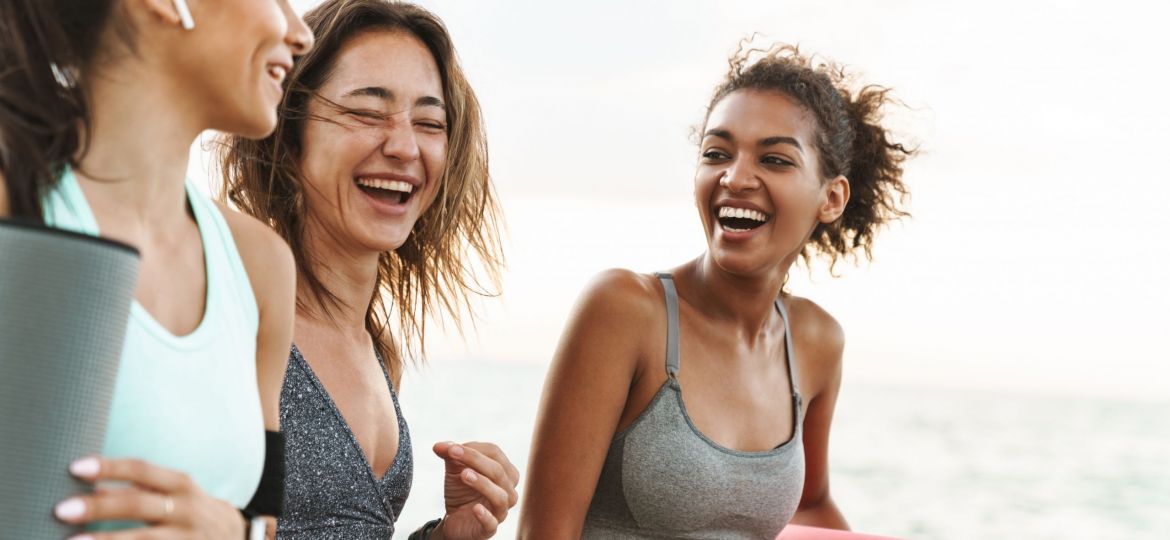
277	73
390	191
740	219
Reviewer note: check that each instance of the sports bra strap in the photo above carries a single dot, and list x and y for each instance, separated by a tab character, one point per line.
671	324
788	343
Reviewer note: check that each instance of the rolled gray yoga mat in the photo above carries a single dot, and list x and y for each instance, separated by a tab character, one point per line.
64	304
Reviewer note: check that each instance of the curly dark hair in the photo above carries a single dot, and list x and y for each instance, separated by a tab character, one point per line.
850	140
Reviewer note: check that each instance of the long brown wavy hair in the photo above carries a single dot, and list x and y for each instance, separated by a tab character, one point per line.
434	273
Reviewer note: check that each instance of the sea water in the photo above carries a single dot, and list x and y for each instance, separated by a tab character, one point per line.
906	461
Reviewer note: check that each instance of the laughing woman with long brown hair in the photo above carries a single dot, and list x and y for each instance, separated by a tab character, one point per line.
377	177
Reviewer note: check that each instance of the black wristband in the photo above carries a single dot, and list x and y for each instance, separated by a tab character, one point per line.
425	531
269	497
247	523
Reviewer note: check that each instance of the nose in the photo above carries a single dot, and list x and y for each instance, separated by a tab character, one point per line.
739	177
299	38
400	143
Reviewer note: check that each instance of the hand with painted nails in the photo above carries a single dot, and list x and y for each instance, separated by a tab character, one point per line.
479	487
168	501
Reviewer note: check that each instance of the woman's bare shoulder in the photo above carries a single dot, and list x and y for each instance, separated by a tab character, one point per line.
623	287
267	258
258	244
619	296
610	322
818	339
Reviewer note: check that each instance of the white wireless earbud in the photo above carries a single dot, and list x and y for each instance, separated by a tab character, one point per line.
184	14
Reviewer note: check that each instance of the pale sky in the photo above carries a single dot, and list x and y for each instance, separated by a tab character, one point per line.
1035	258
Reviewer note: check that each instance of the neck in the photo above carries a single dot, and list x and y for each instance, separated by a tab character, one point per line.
138	143
744	302
350	275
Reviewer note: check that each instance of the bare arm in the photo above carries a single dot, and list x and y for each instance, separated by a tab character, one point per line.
584	396
823	343
272	272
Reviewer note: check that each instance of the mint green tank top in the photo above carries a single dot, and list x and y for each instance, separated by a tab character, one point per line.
189	403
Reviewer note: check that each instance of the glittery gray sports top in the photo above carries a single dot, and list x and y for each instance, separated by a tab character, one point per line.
663	478
330	490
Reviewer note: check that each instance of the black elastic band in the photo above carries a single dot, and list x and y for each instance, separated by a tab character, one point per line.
269	497
424	532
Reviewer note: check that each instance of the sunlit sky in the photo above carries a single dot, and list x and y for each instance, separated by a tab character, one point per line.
1035	259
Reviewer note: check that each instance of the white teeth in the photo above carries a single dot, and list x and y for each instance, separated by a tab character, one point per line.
278	73
743	213
391	185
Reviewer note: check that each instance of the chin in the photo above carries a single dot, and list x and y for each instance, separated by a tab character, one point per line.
251	128
261	127
383	244
255	121
740	264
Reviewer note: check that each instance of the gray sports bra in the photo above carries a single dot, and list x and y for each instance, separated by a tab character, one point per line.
662	478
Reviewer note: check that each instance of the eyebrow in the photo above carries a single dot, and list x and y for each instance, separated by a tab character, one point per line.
767	141
386	94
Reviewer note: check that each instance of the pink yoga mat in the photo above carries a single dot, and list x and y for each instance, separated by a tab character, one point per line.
798	532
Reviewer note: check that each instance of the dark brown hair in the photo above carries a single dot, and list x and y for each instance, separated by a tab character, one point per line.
850	140
46	47
433	272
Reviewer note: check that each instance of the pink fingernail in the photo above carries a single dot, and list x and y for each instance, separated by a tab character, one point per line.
470	475
457	451
86	467
70	509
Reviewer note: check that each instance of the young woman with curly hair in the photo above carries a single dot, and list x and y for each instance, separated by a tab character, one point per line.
696	403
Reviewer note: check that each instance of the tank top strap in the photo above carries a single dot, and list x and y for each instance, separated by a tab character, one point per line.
671	323
222	254
789	352
65	206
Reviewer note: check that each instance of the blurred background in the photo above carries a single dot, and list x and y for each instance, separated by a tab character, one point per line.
1006	368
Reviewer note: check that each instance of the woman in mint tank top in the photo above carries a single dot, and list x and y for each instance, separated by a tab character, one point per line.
377	177
696	403
100	103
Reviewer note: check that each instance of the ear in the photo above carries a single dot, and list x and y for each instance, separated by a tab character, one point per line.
836	196
170	12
